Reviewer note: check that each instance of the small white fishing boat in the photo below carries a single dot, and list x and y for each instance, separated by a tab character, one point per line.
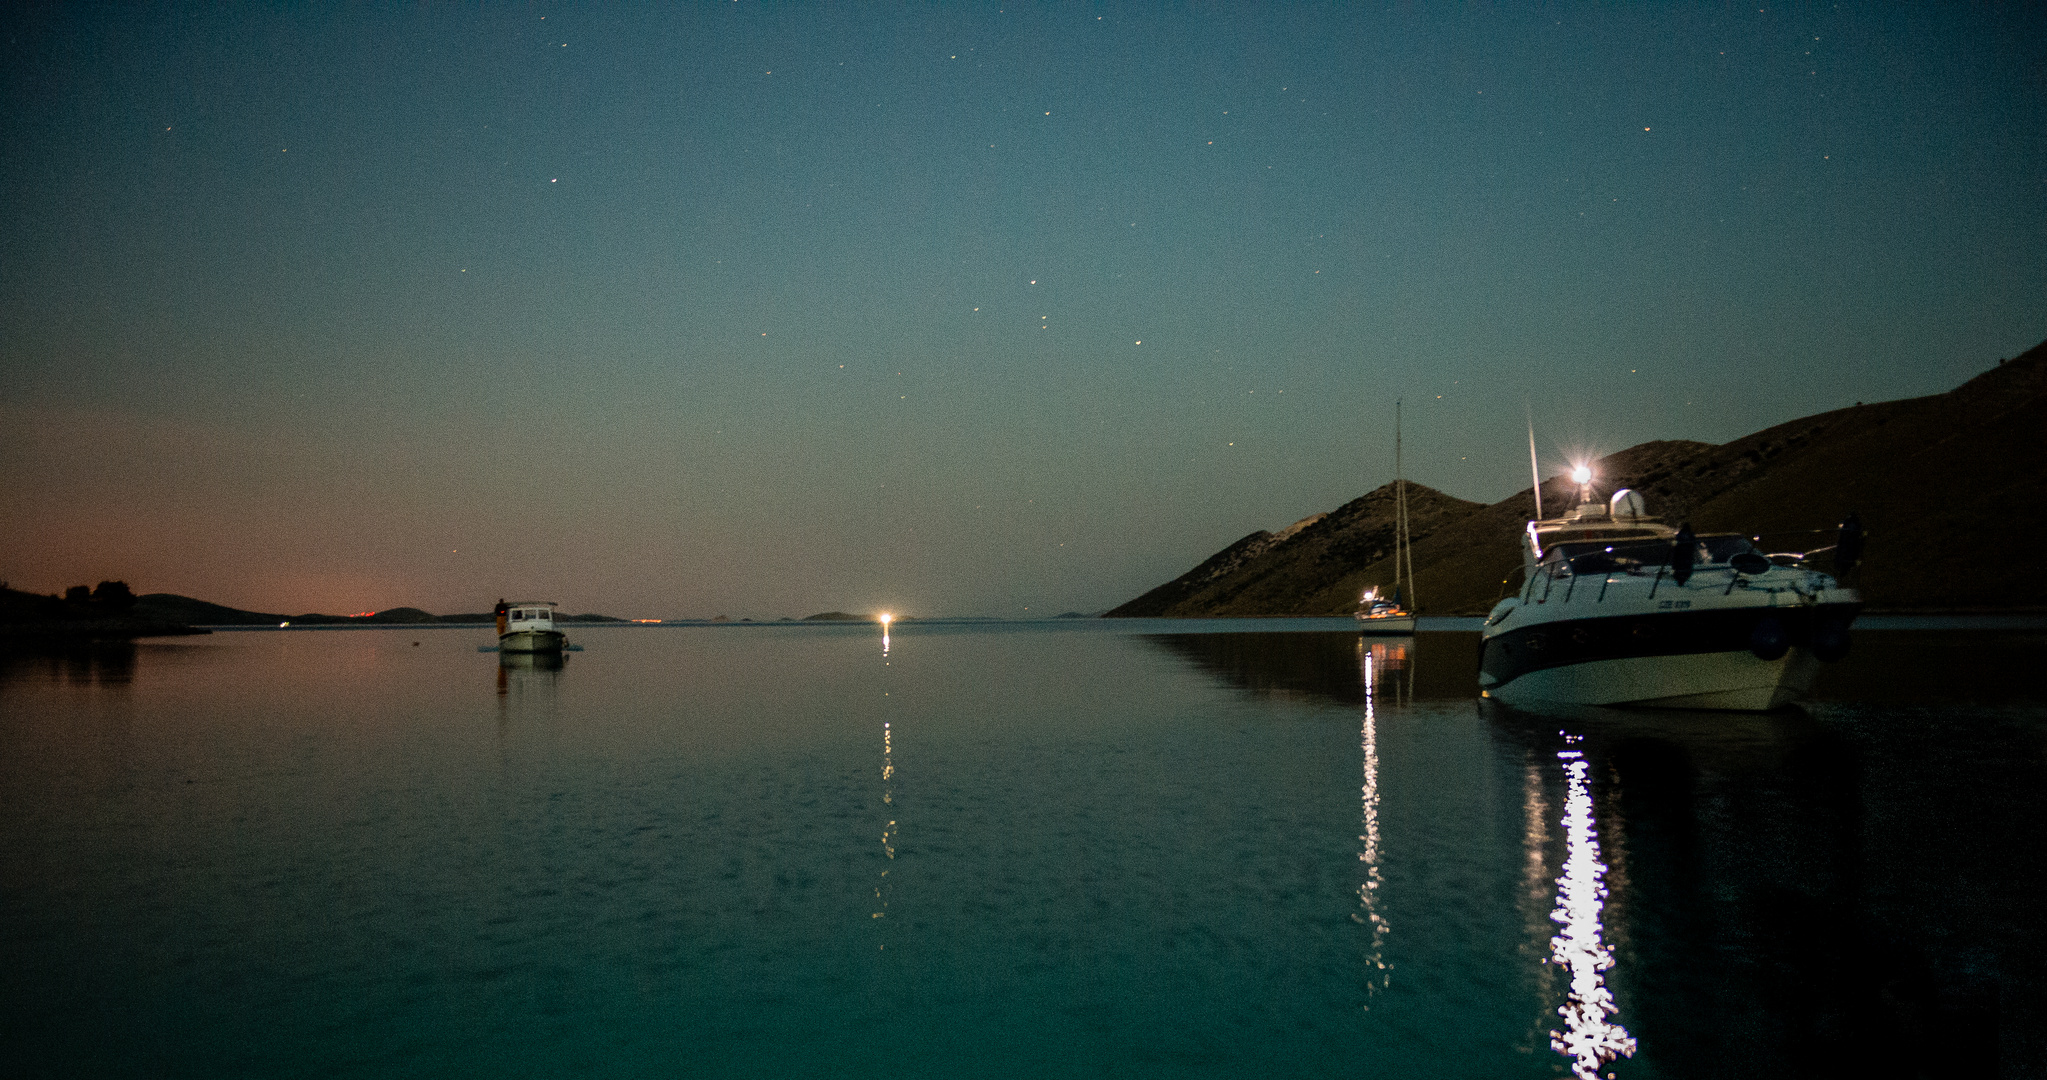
1378	614
1617	608
527	626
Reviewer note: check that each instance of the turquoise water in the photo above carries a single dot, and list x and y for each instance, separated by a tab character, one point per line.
1068	849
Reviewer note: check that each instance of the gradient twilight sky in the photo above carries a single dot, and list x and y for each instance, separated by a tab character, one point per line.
767	310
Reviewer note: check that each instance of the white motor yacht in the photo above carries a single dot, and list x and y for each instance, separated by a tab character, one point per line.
1617	608
527	626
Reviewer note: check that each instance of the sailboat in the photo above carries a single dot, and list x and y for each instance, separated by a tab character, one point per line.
1387	614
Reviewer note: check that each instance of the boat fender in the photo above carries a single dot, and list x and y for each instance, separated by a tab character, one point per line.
1830	641
1848	547
1683	549
1768	640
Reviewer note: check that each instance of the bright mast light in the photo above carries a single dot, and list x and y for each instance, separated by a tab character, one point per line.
1581	475
887	618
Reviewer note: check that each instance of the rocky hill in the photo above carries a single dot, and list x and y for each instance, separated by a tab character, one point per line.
1951	488
1316	564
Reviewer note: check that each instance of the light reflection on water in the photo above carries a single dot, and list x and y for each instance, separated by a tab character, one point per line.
1589	1037
1755	894
265	854
888	796
1378	974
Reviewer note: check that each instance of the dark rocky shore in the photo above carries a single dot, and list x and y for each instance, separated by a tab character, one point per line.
1952	488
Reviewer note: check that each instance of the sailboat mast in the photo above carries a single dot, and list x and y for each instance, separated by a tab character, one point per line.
1403	567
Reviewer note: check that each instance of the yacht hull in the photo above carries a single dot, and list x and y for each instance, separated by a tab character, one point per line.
1708	658
1718	680
1386	625
532	641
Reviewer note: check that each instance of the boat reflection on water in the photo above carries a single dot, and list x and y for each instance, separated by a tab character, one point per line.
1386	669
522	671
98	663
1326	665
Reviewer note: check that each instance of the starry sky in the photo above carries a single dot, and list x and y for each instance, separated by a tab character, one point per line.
763	310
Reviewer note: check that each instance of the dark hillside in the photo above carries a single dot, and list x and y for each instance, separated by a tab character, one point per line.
1318	563
1950	486
1222	564
200	613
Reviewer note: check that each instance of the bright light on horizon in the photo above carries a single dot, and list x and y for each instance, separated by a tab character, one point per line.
1581	474
887	618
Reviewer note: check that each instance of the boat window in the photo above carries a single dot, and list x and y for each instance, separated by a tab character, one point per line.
1719	549
1640	556
1627	557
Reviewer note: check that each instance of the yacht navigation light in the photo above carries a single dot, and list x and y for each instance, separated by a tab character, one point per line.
887	618
1581	475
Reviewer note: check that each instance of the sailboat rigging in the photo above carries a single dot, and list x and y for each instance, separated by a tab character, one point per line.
1395	614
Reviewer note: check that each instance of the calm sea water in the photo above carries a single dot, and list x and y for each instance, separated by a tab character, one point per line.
1077	849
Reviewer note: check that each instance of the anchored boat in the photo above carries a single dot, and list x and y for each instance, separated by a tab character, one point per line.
527	626
1617	608
1386	614
1383	615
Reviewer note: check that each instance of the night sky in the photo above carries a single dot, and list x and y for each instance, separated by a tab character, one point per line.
769	310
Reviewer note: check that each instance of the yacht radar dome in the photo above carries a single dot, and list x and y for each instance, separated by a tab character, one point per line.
1627	503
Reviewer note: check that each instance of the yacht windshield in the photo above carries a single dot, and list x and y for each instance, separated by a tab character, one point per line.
1638	556
1719	549
1598	558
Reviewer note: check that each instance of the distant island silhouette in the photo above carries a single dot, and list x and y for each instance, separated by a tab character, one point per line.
1952	488
109	611
113	613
